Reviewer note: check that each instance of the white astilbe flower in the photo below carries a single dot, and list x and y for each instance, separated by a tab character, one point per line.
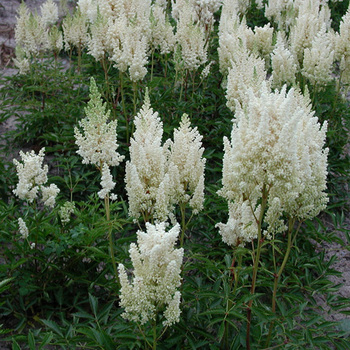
128	34
156	276
30	33
234	37
49	13
88	9
241	226
75	31
202	11
246	72
31	174
21	25
66	210
186	154
318	59
145	171
262	42
23	230
162	32
276	147
107	183
55	40
190	37
98	140
284	67
49	195
21	61
313	14
282	12
342	48
98	44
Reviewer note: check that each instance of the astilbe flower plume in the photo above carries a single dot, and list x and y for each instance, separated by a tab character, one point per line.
147	185
190	37
318	59
98	140
49	13
284	67
186	166
156	276
32	176
342	48
276	149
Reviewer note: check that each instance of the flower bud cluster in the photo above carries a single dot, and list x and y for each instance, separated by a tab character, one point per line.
156	276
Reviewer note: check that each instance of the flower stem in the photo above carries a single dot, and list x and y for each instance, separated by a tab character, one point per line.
256	263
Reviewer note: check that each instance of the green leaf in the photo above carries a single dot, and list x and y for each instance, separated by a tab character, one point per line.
53	325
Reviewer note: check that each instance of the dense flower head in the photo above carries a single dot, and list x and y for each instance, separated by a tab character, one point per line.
186	154
247	72
156	276
23	229
145	172
191	40
32	176
75	31
49	13
30	33
284	67
312	15
107	183
342	48
98	44
234	39
65	212
89	9
276	147
98	140
162	32
318	59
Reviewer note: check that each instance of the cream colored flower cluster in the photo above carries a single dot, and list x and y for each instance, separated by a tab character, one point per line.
276	149
97	141
156	276
186	166
97	135
32	176
160	176
342	48
36	34
306	45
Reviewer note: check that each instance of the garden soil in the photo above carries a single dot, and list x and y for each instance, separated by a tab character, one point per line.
8	13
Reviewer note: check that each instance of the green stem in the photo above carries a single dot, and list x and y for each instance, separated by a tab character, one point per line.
121	78
183	223
291	223
256	263
152	64
154	347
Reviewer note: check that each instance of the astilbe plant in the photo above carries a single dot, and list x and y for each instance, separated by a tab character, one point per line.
274	175
156	278
98	146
